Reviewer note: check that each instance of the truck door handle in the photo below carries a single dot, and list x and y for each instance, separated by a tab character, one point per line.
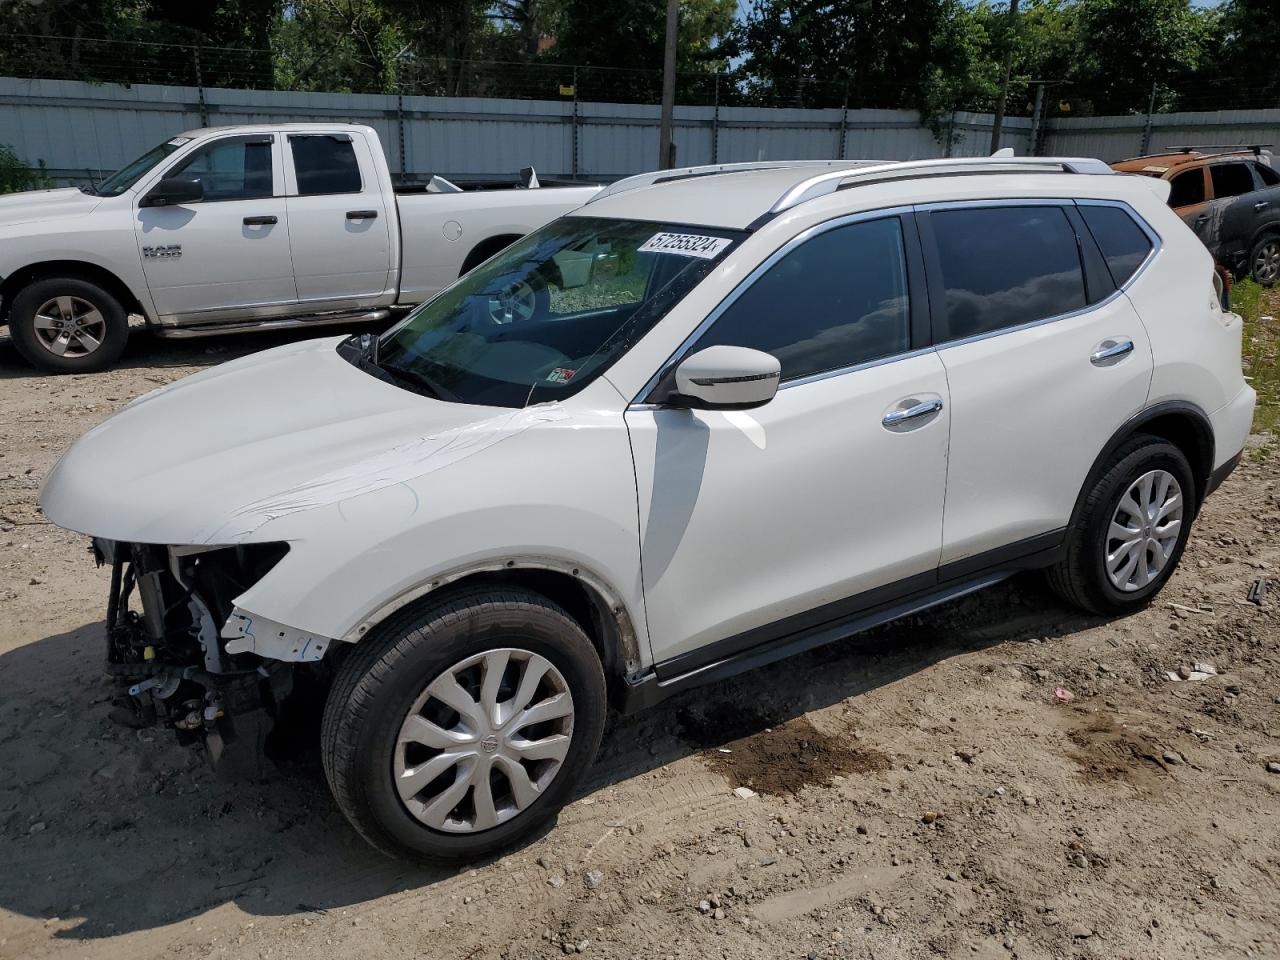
260	221
896	418
1262	204
1110	350
362	214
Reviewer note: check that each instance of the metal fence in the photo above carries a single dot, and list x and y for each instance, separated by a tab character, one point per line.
82	131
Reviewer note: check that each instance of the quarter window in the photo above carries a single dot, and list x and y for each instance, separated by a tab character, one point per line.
1005	266
1268	176
837	300
1123	243
1187	188
230	170
324	164
1231	179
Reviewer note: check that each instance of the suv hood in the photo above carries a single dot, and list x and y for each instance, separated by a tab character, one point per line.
31	205
212	458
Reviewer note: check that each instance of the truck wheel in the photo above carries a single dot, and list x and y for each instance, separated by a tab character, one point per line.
1129	536
463	726
66	325
1264	260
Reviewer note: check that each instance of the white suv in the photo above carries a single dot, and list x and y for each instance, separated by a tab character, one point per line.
712	418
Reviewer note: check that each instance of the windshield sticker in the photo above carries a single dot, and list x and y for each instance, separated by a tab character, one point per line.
560	375
685	244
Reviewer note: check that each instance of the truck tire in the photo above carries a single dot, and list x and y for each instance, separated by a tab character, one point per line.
1264	260
463	725
1131	530
67	325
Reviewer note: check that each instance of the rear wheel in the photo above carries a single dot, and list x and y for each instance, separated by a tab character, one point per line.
465	725
1264	260
67	325
1131	530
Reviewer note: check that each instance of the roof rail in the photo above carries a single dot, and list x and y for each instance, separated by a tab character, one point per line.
711	169
825	183
1254	148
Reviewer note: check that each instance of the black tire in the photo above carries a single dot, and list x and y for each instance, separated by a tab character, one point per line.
1080	577
1268	247
22	325
382	678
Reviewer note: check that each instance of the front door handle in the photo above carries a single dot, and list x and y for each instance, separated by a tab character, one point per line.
1203	218
1110	350
926	408
260	221
362	214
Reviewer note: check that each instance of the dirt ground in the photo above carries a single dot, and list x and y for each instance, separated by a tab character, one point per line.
918	791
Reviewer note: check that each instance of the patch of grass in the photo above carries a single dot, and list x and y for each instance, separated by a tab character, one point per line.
1260	351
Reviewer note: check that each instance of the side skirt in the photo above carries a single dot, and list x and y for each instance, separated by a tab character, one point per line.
765	645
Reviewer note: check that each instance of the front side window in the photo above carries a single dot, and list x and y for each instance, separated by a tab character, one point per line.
236	169
1123	243
551	312
837	300
1005	266
1187	188
325	164
1231	179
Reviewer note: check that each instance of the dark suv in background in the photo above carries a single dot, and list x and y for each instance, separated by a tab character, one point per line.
1230	196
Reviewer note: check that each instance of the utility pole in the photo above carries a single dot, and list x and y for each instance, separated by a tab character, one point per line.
998	121
666	143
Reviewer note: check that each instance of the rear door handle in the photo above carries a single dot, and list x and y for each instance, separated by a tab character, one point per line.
362	214
1262	204
260	221
896	418
1110	350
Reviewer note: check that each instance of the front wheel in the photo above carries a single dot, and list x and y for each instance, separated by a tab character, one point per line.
464	725
68	325
1132	528
1264	260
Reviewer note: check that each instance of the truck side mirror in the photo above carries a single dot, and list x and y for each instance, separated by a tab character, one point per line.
173	191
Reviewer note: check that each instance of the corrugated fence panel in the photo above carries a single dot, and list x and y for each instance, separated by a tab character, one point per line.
81	129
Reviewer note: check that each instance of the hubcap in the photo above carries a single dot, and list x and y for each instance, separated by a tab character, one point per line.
517	302
70	327
1266	266
1144	530
483	741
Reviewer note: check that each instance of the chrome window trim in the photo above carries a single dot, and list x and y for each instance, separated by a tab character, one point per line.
1156	245
901	210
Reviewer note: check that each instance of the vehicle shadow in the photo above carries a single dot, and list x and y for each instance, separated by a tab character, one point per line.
126	830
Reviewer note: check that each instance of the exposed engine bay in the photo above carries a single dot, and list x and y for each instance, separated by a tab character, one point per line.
163	616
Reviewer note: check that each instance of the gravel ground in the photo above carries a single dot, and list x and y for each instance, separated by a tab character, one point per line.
918	791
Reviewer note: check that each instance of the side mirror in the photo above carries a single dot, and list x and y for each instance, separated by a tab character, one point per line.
173	191
726	378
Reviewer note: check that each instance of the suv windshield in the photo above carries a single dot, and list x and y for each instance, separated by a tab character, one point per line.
128	175
547	315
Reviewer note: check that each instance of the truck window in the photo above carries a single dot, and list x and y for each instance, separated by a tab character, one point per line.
325	164
238	168
1231	179
1187	188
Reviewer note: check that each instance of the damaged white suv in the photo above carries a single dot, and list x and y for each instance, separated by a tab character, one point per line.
712	418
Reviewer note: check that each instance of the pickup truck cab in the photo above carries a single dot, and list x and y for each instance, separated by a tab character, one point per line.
244	227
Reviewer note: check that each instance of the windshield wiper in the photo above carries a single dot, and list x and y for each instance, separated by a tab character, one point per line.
421	381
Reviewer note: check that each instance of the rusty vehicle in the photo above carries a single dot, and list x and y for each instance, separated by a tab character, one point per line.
1230	197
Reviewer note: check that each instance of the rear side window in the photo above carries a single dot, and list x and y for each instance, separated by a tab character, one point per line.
1124	244
1005	266
837	300
1187	188
325	165
1231	179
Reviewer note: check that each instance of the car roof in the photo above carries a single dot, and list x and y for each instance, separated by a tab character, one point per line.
1162	163
736	196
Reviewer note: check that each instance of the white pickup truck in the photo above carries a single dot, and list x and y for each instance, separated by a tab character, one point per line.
245	228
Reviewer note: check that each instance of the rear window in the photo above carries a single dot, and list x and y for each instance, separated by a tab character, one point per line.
1231	179
325	164
1124	244
1005	266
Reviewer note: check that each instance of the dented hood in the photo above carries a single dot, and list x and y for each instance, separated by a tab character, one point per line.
213	457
